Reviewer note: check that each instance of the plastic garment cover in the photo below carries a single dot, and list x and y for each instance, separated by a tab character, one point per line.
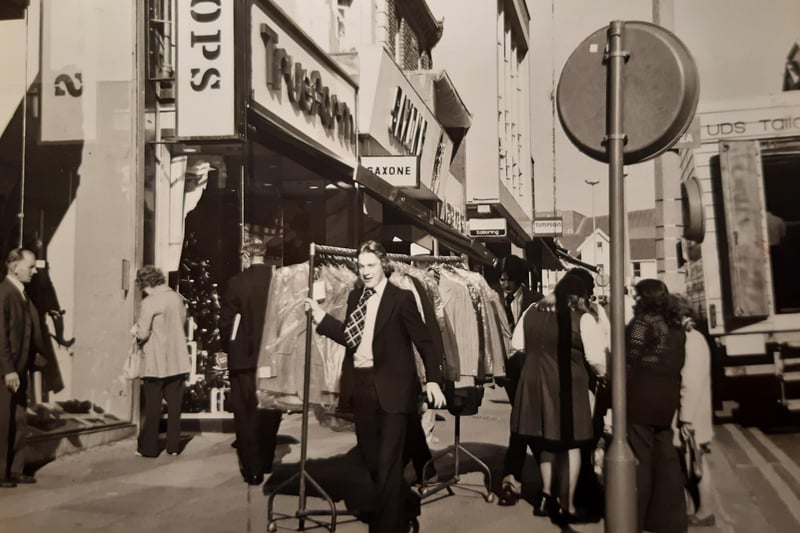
281	359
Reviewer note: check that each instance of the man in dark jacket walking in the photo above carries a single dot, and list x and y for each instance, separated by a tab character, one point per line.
241	325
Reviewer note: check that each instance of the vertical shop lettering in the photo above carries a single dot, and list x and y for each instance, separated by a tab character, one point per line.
206	35
407	126
304	89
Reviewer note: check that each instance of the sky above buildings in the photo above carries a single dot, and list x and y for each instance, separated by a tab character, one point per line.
739	46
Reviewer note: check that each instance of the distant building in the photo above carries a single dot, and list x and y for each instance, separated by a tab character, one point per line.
591	244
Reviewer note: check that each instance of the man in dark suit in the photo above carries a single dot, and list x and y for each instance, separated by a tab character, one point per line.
20	338
241	324
516	298
379	379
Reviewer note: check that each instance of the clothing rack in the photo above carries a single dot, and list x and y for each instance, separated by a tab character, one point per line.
302	514
428	489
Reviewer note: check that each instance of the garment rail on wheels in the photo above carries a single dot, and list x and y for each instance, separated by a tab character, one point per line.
302	514
429	489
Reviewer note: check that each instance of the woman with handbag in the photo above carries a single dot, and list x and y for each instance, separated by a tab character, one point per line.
165	359
695	418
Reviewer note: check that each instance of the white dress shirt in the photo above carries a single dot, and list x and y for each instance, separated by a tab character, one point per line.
363	358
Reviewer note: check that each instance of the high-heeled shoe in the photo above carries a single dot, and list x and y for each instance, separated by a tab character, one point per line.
543	506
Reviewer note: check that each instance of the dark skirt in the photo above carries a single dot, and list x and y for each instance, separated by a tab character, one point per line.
551	404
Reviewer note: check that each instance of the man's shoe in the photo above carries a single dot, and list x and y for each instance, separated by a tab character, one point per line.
707	521
413	526
23	479
254	479
507	496
7	483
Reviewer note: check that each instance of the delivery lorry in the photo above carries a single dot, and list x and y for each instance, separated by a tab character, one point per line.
740	182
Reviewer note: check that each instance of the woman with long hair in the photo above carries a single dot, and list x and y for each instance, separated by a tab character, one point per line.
655	354
551	405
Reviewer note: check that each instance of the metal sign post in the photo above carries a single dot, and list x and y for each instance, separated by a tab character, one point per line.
659	105
619	460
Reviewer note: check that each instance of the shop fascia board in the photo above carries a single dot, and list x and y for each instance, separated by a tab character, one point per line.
424	216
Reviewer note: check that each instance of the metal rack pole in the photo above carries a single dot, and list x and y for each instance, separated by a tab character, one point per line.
303	475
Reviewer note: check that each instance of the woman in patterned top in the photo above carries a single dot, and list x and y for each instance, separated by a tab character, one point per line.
655	353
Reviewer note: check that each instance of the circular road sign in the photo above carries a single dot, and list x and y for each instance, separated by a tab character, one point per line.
660	89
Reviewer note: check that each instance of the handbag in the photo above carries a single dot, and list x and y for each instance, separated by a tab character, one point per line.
691	454
132	369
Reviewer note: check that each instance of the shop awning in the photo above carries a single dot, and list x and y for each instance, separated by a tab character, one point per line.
424	217
551	256
449	107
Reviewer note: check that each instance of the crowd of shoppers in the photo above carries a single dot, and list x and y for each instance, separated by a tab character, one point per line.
558	358
559	408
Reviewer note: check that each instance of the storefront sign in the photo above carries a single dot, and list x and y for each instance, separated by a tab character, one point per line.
408	124
397	170
487	227
393	114
691	137
69	71
204	91
453	216
548	227
296	85
452	210
777	121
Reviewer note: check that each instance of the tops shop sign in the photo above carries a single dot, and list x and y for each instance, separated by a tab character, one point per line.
297	85
205	88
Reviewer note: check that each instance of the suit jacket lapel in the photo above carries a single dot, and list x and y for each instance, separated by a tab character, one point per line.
388	301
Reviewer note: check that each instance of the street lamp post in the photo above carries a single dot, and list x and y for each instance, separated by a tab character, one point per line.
592	183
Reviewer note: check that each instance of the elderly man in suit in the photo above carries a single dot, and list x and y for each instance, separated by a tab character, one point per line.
241	325
379	379
20	338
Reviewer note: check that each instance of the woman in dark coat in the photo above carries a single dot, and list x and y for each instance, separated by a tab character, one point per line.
654	354
551	406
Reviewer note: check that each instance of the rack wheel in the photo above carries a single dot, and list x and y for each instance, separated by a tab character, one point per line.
272	526
490	497
423	491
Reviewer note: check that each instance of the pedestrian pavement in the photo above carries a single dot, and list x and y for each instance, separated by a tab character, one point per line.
108	488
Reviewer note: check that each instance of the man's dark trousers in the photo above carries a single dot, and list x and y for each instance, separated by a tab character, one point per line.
256	428
13	428
381	437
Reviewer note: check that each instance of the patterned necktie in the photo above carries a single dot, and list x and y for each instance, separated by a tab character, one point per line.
355	322
509	312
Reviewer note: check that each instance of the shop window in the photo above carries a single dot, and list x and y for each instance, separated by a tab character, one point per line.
637	269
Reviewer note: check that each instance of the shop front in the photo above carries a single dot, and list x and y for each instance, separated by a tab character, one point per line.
272	158
413	203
